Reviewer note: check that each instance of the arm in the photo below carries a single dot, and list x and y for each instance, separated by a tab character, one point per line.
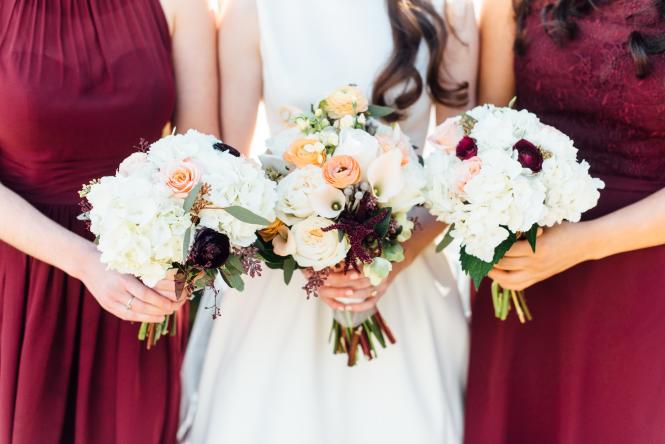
460	65
241	72
42	238
637	226
193	29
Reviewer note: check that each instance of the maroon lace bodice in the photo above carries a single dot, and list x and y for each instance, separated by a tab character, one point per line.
588	88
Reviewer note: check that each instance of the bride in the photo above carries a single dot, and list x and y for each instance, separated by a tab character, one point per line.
269	375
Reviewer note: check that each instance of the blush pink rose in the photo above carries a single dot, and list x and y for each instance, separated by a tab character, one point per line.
182	178
446	136
468	170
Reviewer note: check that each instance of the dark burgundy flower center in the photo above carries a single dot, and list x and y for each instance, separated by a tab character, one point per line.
466	148
528	155
211	249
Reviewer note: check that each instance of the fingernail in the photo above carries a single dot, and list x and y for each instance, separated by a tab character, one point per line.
354	275
348	293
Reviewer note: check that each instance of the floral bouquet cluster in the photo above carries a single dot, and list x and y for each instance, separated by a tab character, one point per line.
497	176
187	202
346	183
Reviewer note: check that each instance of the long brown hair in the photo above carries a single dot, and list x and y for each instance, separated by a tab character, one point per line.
413	21
558	18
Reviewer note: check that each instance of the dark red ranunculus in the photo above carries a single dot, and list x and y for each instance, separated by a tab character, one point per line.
466	148
210	250
221	146
528	155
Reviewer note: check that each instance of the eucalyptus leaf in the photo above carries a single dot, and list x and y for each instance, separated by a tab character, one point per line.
244	215
234	262
191	197
447	239
233	280
378	111
289	267
185	243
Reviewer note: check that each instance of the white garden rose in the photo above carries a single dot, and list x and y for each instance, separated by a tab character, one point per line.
360	145
293	201
316	248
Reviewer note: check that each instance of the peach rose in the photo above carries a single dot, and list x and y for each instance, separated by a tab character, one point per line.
341	171
468	170
269	232
303	152
447	135
182	178
348	100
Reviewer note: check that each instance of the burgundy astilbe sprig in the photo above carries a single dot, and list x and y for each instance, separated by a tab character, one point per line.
359	226
315	281
249	259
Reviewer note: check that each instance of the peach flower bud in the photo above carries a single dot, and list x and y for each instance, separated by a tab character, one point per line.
468	170
299	154
182	178
447	135
269	232
341	171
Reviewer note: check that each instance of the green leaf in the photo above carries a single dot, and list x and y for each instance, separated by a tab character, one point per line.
233	280
234	262
191	197
289	267
476	268
531	236
244	215
379	111
447	239
185	243
382	227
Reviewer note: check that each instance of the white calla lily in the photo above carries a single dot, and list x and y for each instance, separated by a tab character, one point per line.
360	145
385	175
327	201
284	244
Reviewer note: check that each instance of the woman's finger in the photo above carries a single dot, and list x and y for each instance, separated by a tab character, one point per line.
367	292
512	263
128	314
520	249
368	304
149	296
335	292
351	279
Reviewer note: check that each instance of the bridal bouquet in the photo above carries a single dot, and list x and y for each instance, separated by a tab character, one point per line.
346	183
498	175
187	202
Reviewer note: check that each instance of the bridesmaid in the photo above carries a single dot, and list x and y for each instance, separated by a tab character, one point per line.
589	367
81	83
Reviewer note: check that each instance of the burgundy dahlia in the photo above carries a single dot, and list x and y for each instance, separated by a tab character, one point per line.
466	148
210	250
528	155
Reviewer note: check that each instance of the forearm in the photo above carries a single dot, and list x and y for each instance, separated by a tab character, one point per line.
637	226
423	236
28	230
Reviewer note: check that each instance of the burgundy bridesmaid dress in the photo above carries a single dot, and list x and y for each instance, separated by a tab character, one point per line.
590	367
81	83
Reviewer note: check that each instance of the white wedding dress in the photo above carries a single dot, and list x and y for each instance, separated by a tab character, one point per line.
269	375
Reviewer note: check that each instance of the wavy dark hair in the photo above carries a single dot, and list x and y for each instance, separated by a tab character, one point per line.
413	21
558	19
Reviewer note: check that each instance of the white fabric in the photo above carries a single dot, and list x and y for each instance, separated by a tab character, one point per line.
270	376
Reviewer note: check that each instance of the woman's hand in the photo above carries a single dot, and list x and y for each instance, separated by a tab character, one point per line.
125	296
559	248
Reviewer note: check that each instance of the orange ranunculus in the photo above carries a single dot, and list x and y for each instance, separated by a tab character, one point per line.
269	232
298	155
341	171
182	178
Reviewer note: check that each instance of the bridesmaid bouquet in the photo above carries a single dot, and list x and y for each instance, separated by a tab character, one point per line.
346	183
496	176
187	203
